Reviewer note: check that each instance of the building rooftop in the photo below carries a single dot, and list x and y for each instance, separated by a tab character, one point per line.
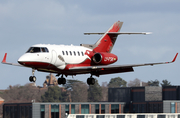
1	99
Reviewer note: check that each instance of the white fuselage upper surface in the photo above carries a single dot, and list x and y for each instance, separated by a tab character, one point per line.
57	55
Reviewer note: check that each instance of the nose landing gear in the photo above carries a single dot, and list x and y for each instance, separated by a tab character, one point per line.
32	78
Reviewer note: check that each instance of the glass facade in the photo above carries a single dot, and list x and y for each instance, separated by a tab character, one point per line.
114	108
42	111
97	108
67	108
102	108
17	111
72	109
172	107
54	111
84	108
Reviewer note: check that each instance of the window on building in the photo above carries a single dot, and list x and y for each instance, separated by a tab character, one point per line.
120	116
72	109
80	116
114	108
140	116
54	111
172	107
102	108
67	108
42	111
97	108
161	116
84	109
100	116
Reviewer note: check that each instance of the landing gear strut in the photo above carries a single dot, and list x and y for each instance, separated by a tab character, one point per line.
91	81
61	80
32	78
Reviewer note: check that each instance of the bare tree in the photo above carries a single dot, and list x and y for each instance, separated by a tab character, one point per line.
104	91
79	92
136	82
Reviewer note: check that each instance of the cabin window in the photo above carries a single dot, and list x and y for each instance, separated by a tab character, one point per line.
74	53
63	52
66	52
78	53
70	52
82	53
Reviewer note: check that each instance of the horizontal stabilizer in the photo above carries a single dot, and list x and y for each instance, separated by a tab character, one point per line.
4	61
119	33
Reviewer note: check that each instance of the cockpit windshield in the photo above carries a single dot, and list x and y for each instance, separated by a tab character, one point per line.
37	49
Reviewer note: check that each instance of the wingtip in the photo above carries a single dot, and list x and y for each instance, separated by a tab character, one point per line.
175	57
4	59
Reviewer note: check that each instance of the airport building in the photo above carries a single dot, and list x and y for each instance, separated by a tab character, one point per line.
120	100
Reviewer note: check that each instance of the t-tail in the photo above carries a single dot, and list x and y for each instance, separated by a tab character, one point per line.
107	41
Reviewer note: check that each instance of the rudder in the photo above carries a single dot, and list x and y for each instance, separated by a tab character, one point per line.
106	42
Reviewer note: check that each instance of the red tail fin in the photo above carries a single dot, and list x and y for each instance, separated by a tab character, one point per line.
106	42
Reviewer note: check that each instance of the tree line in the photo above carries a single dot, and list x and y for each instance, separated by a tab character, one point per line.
72	91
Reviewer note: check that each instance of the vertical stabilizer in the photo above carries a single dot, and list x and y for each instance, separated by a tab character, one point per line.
106	42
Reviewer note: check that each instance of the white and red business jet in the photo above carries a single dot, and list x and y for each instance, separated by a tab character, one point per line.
73	60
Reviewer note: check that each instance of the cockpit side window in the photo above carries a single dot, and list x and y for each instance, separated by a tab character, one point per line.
37	49
44	50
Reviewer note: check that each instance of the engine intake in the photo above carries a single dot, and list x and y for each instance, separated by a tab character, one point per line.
104	58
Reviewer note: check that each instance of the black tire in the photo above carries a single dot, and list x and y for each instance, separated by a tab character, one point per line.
31	78
63	81
59	81
89	81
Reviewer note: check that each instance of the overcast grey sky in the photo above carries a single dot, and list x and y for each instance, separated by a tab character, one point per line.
24	23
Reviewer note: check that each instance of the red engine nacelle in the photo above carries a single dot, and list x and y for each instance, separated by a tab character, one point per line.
104	58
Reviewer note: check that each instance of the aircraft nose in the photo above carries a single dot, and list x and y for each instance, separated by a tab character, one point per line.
23	59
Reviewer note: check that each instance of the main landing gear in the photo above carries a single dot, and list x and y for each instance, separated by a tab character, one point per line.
91	81
61	80
32	78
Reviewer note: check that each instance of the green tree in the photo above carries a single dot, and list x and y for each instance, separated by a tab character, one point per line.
94	92
117	82
165	83
54	94
153	83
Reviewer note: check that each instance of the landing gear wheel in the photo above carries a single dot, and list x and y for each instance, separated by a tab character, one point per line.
32	79
90	81
61	81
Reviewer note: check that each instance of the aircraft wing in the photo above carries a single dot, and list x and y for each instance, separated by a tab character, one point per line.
101	70
4	61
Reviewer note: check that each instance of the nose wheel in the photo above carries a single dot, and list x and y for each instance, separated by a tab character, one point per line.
32	78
